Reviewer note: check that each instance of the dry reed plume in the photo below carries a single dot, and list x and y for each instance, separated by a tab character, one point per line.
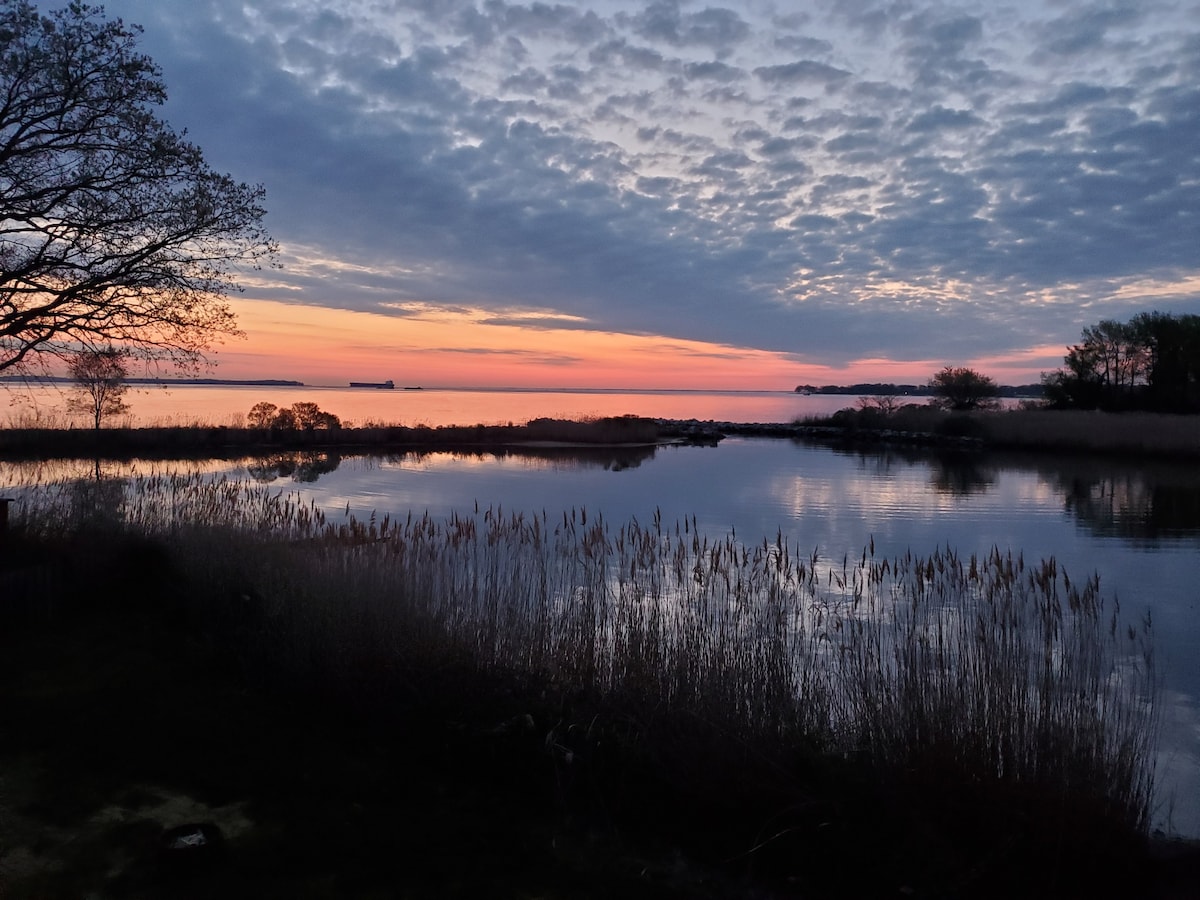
993	668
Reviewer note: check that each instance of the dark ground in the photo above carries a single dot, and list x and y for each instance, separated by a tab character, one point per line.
123	718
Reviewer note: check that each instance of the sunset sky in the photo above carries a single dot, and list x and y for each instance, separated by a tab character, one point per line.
758	195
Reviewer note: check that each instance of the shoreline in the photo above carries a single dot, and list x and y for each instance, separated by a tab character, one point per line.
525	775
1130	435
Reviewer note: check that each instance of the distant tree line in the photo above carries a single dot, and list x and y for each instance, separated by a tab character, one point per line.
1151	362
954	388
916	390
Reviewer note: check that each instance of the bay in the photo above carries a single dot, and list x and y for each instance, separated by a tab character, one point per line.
1137	525
228	404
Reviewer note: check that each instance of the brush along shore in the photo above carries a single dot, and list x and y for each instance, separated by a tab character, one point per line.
1129	434
1133	434
550	706
176	441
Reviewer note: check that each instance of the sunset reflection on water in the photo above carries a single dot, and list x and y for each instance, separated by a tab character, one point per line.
228	405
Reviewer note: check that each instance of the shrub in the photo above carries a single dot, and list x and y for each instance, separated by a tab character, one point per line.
304	415
961	389
607	430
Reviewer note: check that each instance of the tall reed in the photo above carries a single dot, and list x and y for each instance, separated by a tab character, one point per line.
1001	670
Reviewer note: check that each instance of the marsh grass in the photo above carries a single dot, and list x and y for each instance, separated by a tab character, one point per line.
49	438
595	430
1040	429
1009	680
1134	433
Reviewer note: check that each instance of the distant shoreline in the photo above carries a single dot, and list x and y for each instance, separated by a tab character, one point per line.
211	382
870	389
912	390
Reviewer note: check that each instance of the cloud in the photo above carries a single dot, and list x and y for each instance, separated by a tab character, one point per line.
803	46
713	70
629	55
870	179
531	357
719	29
940	119
1083	30
801	72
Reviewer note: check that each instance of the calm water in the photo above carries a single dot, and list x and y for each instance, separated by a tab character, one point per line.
356	406
1137	526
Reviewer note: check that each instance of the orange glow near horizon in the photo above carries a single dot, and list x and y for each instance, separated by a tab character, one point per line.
323	346
1024	366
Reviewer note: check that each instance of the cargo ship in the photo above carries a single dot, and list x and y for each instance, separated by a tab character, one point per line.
388	385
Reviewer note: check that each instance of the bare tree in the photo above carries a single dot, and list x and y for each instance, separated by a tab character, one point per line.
262	414
961	389
1150	362
309	416
100	383
884	403
113	229
284	420
304	415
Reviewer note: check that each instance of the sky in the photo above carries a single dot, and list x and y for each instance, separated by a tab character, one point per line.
677	195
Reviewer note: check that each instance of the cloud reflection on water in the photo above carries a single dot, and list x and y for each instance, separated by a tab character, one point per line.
1137	525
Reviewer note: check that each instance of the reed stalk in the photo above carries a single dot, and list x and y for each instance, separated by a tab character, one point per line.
990	668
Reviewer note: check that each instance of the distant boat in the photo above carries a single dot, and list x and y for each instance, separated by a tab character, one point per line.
388	385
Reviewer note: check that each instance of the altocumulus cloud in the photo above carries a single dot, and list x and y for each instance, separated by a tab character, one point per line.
862	180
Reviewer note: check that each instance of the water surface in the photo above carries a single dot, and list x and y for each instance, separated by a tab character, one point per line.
228	405
1138	526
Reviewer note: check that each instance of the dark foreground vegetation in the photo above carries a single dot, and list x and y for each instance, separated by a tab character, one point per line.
1129	434
892	389
877	419
1151	362
211	690
173	442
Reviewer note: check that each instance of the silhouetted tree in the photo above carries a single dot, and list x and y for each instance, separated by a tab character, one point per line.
309	416
100	386
113	229
285	420
884	403
961	389
1150	362
262	414
1173	369
304	415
